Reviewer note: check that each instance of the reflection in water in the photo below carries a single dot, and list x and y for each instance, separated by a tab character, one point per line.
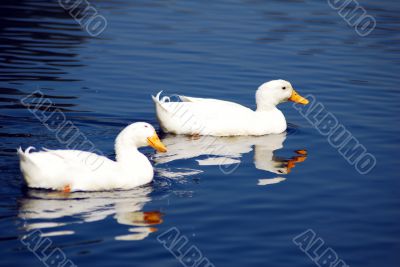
41	210
228	151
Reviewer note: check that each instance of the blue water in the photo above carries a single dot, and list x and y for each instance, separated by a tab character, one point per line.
219	49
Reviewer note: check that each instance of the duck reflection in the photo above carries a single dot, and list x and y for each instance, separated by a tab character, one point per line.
46	210
227	152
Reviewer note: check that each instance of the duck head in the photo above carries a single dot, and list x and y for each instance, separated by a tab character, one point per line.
139	134
275	92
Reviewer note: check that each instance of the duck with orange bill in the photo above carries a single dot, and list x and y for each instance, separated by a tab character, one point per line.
75	170
207	116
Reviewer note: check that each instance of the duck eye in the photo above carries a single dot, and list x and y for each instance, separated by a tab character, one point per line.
284	88
146	126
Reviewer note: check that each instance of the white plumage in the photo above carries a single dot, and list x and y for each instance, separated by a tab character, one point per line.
203	116
74	170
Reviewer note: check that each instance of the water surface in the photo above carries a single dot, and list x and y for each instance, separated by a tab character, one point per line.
220	49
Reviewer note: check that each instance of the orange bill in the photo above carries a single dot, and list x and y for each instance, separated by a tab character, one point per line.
156	143
295	97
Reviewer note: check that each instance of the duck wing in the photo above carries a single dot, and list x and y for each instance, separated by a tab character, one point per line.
200	115
55	168
212	102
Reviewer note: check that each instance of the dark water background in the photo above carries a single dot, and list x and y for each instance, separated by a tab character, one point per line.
221	49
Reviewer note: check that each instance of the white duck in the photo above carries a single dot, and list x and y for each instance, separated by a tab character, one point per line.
202	116
75	170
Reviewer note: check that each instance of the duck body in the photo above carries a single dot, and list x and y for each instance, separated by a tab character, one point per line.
199	116
205	116
56	169
75	170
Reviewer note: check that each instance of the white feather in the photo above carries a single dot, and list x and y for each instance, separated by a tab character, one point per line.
206	116
86	171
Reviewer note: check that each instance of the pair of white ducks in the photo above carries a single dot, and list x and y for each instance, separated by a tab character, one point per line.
74	170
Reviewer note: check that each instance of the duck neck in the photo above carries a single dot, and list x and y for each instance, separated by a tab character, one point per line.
126	155
126	150
134	166
265	103
265	107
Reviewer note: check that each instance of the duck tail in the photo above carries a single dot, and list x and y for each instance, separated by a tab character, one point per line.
159	101
24	155
26	164
156	98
